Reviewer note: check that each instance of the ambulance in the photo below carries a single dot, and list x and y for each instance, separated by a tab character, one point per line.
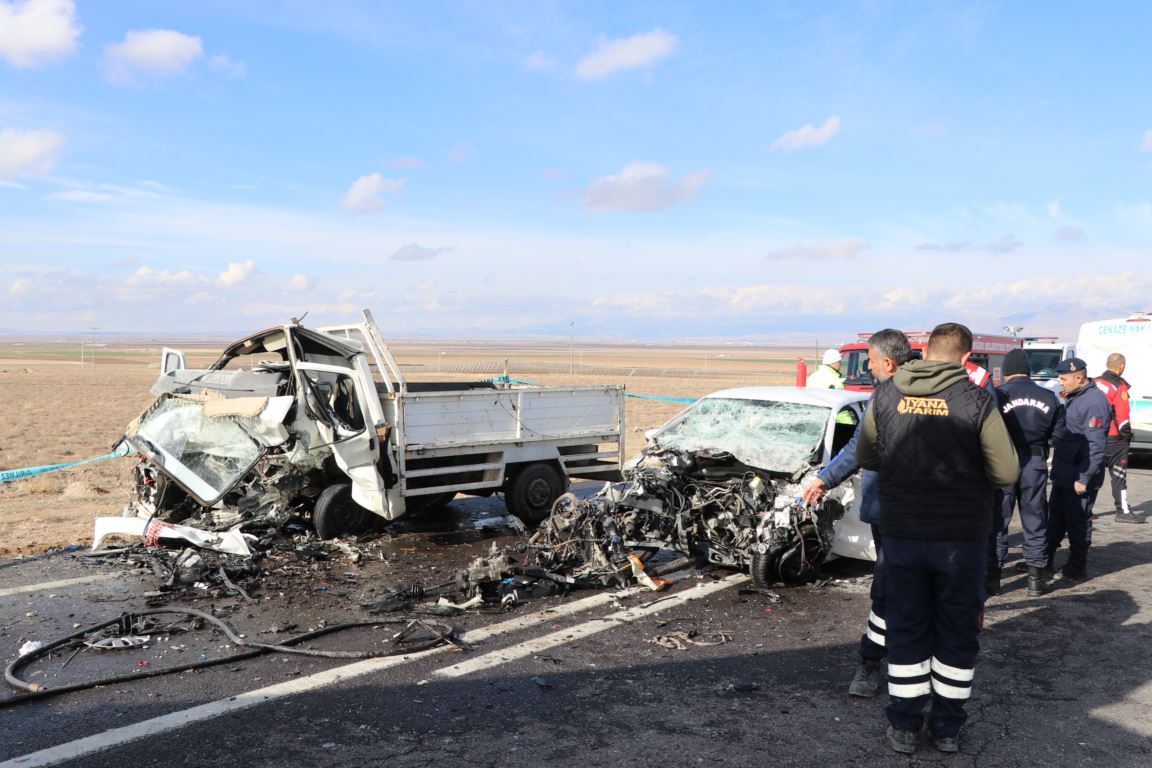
1132	337
987	351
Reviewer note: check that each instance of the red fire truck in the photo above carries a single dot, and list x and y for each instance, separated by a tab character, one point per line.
987	351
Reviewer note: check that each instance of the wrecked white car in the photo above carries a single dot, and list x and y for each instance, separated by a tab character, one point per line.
721	483
323	423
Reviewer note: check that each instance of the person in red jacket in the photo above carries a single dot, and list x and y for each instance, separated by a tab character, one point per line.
1115	388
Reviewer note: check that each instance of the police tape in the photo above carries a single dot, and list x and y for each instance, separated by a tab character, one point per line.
664	398
9	475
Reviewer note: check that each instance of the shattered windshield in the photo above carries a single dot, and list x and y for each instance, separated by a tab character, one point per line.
768	434
205	455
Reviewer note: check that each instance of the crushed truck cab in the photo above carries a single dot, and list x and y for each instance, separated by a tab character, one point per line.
324	422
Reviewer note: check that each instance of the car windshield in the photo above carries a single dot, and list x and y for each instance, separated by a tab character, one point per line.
1042	362
205	455
771	435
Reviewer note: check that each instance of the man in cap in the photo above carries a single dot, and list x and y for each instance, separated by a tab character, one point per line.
1115	389
1077	468
827	376
1034	417
939	446
887	351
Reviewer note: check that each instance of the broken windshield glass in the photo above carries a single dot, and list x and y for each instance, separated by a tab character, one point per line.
205	455
769	434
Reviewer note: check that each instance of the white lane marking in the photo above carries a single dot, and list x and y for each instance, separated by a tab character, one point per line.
563	636
53	584
174	720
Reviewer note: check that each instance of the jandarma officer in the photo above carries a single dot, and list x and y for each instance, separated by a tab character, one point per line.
1034	417
1077	468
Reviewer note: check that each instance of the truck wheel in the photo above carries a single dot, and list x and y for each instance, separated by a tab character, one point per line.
336	514
532	492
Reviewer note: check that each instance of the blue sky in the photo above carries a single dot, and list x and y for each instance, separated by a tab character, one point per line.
643	169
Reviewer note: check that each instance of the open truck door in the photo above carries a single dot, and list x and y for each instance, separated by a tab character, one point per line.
171	360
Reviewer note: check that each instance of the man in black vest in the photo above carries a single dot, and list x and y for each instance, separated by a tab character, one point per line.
939	446
1034	417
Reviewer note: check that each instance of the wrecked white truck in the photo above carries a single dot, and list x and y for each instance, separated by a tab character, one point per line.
721	484
323	422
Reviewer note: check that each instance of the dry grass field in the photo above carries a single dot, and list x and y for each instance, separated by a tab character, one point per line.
57	411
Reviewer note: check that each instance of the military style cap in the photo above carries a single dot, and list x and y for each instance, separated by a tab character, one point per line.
1071	365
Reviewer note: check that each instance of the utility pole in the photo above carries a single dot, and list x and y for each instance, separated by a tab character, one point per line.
93	328
571	347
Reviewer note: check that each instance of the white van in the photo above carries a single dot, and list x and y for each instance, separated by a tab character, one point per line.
1043	356
1132	337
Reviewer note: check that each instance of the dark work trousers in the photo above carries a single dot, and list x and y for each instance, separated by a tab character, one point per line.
935	598
1031	493
1071	513
873	645
1116	458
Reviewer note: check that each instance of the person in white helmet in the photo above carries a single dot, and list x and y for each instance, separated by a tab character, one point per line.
827	376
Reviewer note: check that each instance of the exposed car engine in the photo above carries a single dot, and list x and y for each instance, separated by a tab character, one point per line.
708	506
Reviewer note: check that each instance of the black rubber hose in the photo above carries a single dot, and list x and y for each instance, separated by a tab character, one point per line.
442	634
659	569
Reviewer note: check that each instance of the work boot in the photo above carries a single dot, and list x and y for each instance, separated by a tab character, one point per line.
1036	581
1129	517
947	743
992	581
1073	574
900	740
867	679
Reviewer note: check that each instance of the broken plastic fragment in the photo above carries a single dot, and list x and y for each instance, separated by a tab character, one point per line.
230	542
30	647
120	643
638	573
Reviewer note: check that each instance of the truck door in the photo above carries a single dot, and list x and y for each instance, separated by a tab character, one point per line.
335	398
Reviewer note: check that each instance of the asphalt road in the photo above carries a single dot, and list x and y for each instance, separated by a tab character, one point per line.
1063	680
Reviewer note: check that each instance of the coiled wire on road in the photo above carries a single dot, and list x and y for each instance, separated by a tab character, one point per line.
402	641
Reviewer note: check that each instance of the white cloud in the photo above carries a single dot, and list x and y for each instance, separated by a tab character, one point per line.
367	193
406	164
237	272
626	53
1070	232
20	287
643	187
808	136
461	152
37	32
847	248
154	52
414	252
1146	142
28	151
1005	244
85	196
300	282
955	246
538	61
225	66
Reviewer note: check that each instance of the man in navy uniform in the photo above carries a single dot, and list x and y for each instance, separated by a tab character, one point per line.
939	446
1034	417
1078	460
887	351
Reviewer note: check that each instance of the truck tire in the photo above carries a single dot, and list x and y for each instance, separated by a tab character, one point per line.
336	514
532	491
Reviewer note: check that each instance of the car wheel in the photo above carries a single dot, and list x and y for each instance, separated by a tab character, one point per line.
336	514
532	491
